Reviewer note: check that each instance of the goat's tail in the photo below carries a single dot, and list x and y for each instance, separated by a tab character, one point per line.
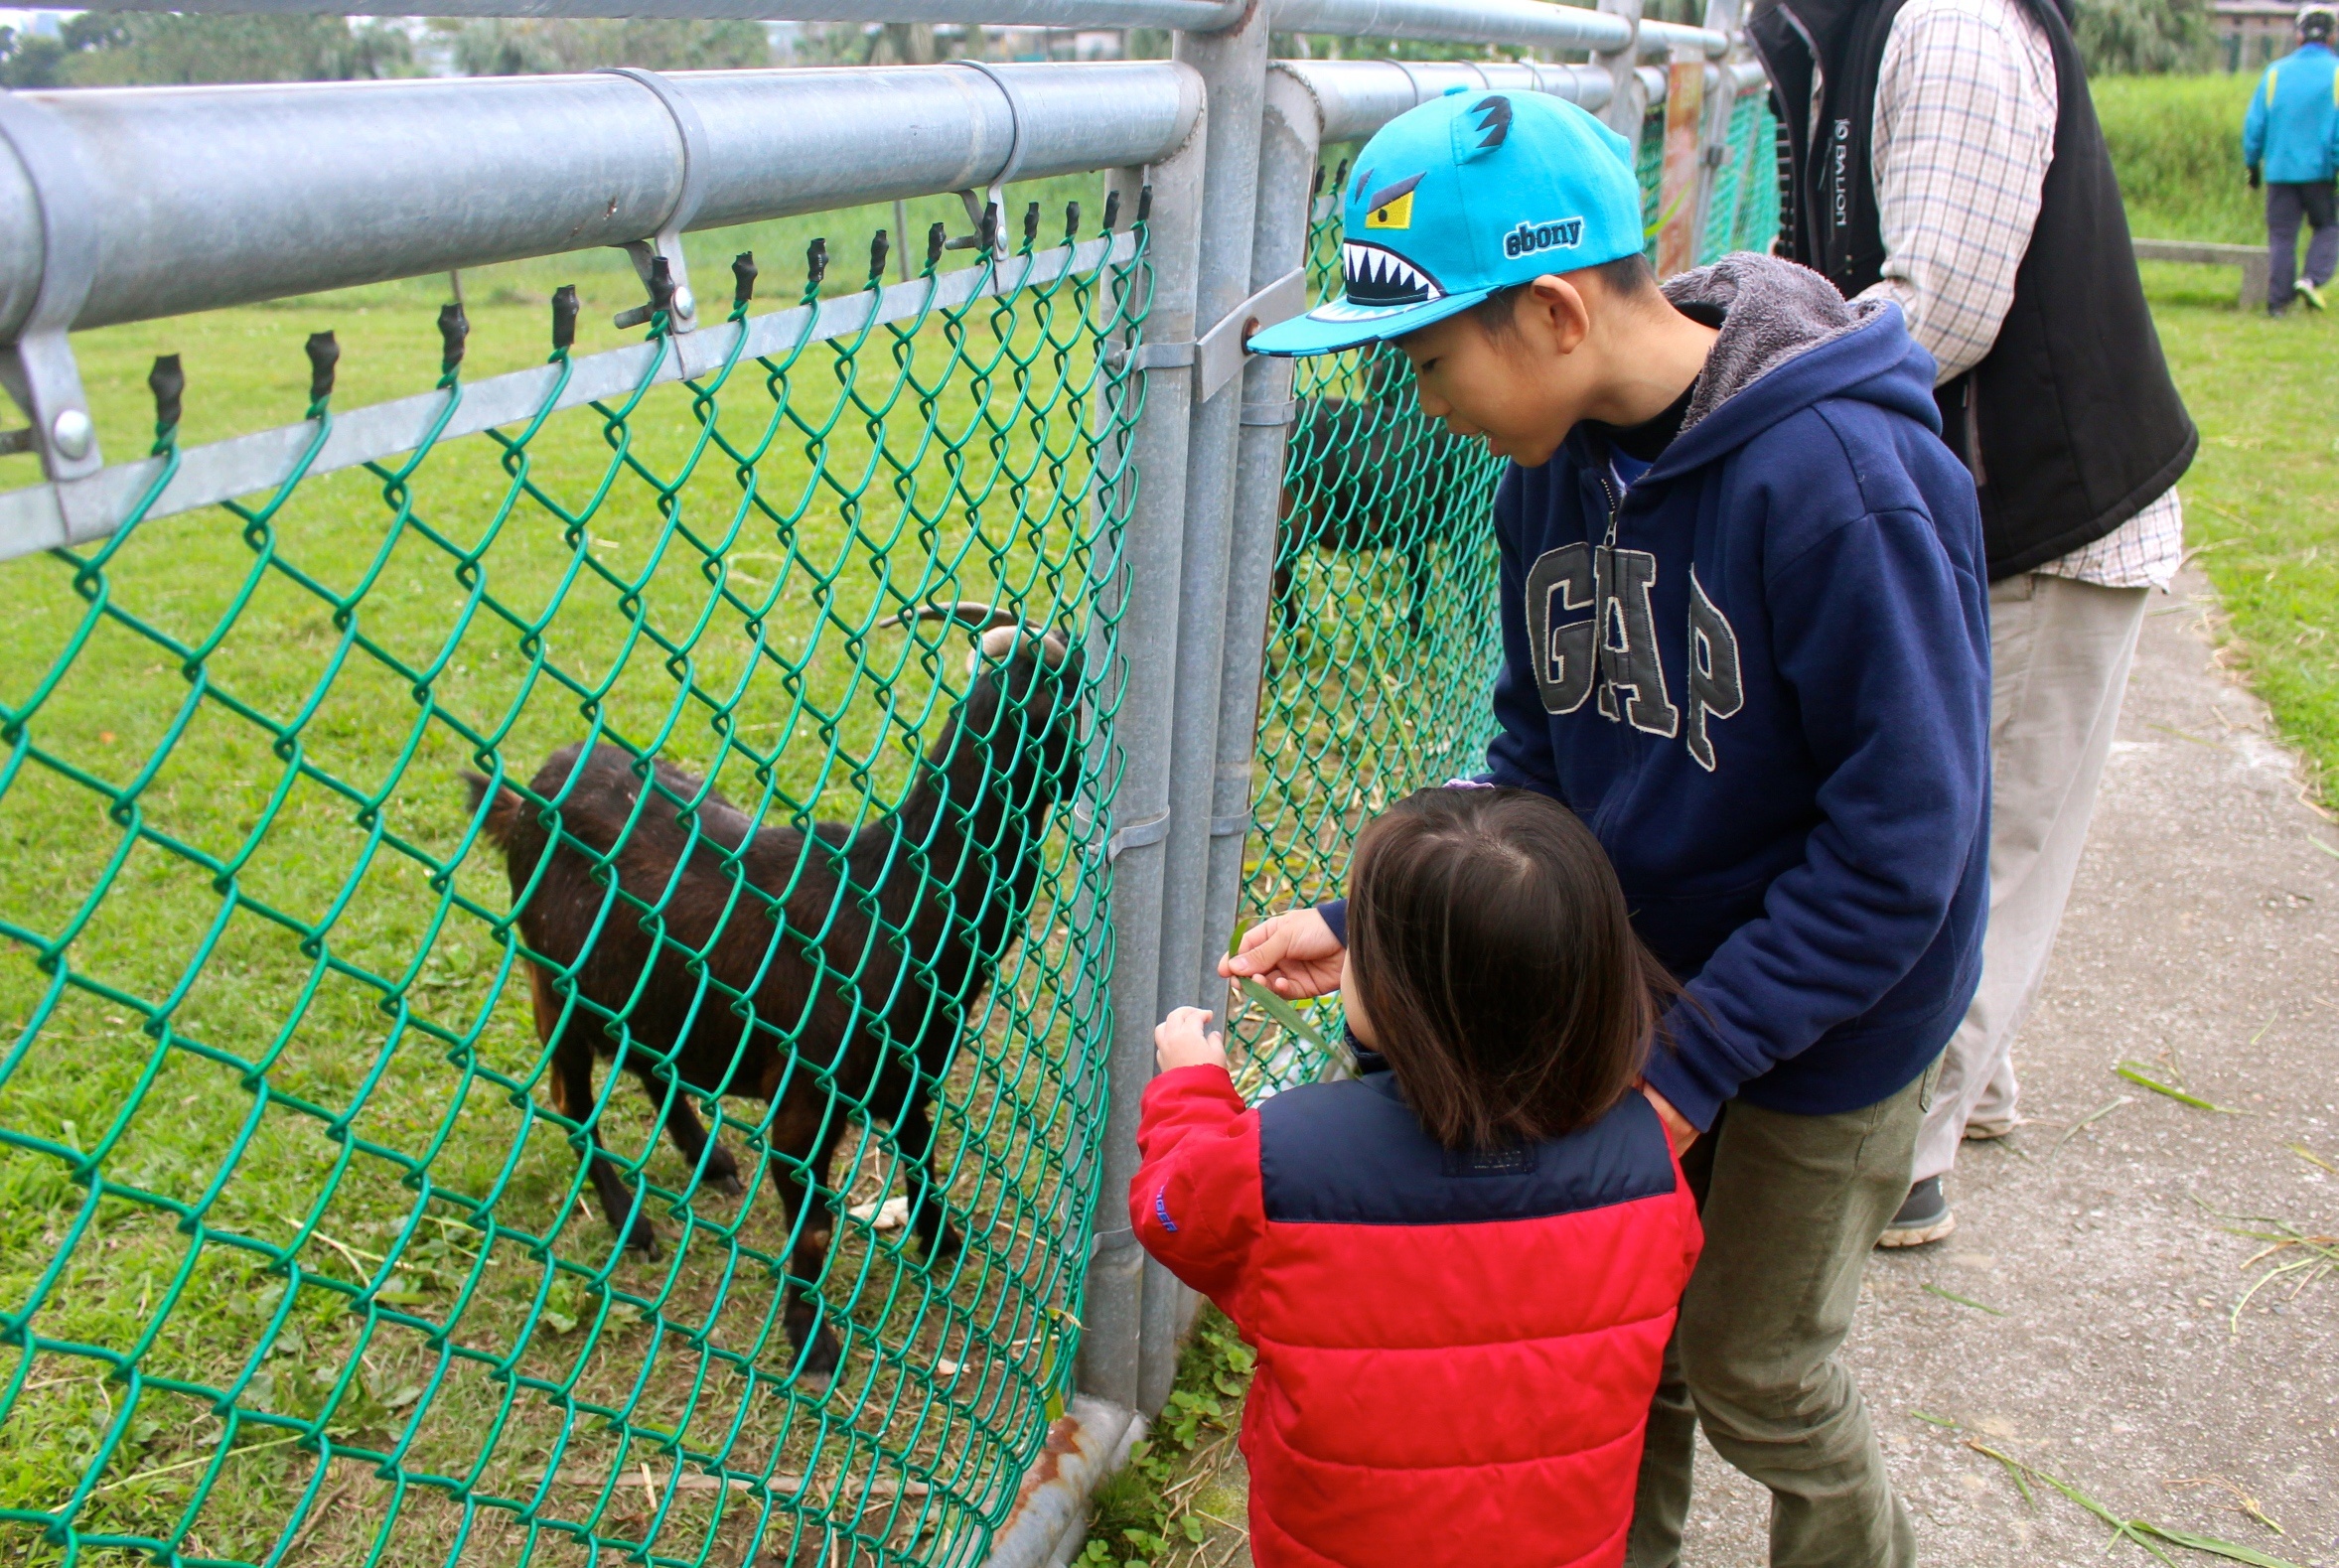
503	817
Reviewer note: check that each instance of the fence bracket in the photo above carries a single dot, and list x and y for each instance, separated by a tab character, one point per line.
1282	413
1151	830
666	245
1016	147
1218	355
38	368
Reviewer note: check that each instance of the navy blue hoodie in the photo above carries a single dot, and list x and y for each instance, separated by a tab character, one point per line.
1763	679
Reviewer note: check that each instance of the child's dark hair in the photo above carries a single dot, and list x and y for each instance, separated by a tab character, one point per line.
1627	277
1497	965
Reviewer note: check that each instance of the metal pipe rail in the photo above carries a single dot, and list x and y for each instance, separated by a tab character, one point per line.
34	517
332	185
1353	98
1490	22
1534	22
1199	16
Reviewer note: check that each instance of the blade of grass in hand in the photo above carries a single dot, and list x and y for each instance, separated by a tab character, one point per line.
1284	1014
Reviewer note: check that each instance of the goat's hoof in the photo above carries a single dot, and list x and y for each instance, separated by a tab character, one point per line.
722	1173
818	1361
642	1240
943	1242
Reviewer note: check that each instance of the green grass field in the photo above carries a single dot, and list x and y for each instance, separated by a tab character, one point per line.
2177	144
2261	502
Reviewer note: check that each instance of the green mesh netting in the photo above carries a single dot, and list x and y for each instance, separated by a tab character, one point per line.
1382	644
1743	214
298	1258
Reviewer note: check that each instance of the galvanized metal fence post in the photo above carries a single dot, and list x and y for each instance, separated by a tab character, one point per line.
1290	135
1721	16
1627	98
1233	64
1146	592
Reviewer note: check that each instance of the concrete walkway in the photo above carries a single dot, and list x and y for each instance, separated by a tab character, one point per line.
2200	944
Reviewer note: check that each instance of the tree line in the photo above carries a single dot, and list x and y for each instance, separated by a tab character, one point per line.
2116	37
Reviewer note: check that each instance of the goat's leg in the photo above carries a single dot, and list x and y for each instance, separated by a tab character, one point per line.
681	1123
571	1085
1416	585
929	1219
802	1143
572	1096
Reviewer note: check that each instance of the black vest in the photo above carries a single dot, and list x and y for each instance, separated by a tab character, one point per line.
2070	424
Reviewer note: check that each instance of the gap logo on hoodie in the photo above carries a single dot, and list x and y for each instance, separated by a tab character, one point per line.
1592	622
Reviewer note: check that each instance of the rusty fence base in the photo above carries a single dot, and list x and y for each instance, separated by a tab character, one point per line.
1087	1444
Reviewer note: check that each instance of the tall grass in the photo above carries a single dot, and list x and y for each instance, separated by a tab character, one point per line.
2176	143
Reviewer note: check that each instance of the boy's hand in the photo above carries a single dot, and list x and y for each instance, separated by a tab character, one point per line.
1292	953
1181	1040
1677	1130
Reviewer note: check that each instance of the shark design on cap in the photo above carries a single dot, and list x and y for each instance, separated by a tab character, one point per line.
1377	276
1462	195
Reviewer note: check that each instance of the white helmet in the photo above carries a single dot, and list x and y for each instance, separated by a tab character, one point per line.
2317	20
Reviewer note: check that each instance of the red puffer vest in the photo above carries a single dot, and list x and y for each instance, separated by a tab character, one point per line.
1455	1351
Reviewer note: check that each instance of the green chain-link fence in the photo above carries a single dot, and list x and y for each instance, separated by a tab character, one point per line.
303	1256
298	1259
1382	646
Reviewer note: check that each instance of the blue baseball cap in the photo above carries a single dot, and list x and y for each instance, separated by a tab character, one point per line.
1470	192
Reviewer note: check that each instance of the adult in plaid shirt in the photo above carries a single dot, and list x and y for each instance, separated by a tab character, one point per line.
1979	146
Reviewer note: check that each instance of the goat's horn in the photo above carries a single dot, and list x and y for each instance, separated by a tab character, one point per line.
999	642
972	613
986	620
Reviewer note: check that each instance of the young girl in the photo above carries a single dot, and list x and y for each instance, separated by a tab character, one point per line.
1460	1268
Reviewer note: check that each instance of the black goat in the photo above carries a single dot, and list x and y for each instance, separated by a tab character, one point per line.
860	953
1373	475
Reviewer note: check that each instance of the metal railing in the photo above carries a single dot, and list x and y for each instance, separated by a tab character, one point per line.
250	671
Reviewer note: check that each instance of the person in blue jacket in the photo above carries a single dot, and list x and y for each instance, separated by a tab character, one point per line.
2291	142
1746	639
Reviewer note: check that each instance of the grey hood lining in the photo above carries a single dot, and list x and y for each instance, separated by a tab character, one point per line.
1771	312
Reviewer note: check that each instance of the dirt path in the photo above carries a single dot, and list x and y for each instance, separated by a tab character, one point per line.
2200	942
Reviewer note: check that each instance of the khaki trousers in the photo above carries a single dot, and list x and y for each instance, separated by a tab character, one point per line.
2059	658
1792	1206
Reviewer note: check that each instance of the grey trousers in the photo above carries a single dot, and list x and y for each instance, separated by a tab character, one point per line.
1792	1206
2059	655
2285	204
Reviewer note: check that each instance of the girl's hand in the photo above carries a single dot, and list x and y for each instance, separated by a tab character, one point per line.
1677	1130
1292	954
1180	1040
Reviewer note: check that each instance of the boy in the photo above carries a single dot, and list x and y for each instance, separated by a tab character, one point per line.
1745	640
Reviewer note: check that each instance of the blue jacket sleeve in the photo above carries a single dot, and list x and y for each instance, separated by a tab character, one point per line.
1887	650
2254	124
1520	754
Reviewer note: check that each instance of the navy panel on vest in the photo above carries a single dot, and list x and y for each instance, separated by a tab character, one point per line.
1352	1154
